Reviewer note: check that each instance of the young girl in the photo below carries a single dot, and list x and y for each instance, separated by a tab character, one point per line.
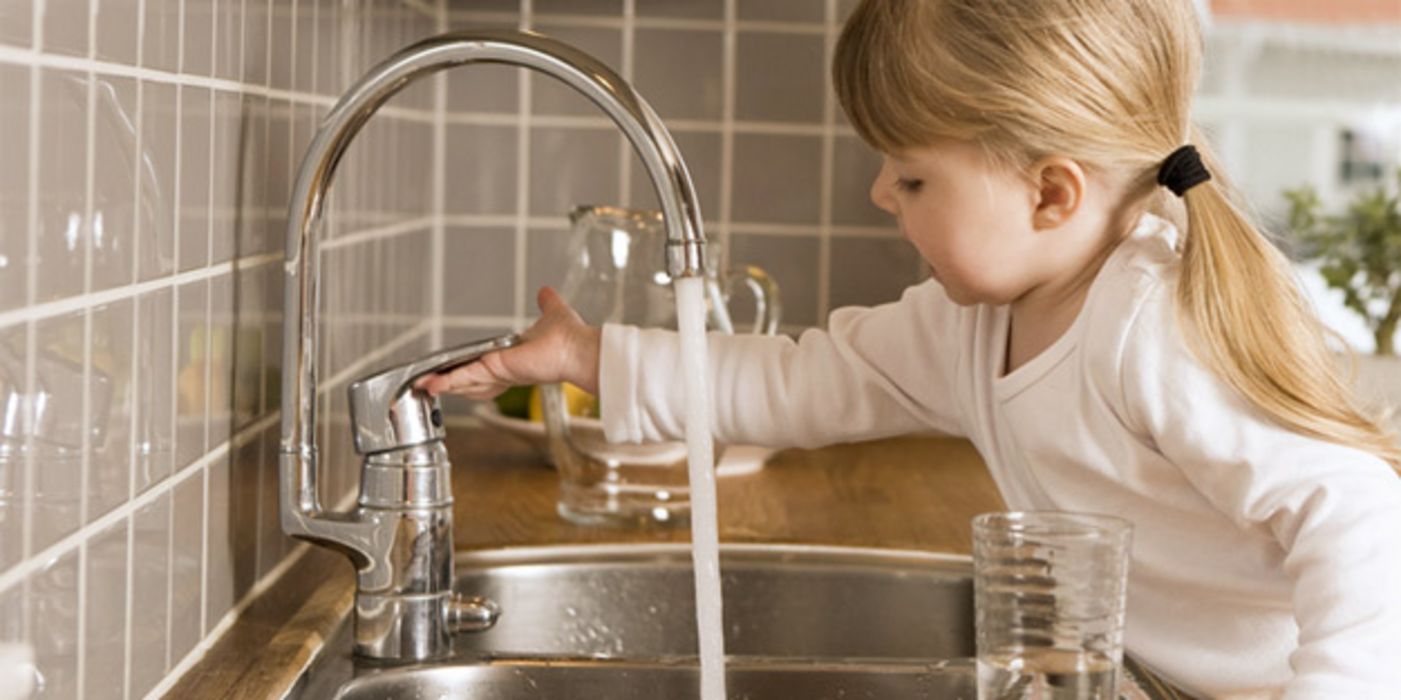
1100	357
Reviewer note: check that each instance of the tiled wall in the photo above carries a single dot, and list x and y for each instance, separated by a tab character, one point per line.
743	87
148	148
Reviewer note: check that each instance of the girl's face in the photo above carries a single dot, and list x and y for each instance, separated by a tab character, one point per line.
971	221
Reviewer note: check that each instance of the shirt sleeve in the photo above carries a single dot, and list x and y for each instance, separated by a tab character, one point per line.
1334	510
875	372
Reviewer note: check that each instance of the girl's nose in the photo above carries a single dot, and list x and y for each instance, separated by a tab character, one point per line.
882	194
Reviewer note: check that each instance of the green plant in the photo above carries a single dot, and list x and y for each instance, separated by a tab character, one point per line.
1360	251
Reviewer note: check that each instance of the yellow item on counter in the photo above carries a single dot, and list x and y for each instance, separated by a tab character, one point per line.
578	402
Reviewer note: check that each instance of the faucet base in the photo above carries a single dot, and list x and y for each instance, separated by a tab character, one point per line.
403	628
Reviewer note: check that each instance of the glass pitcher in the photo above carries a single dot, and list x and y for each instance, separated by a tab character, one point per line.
616	275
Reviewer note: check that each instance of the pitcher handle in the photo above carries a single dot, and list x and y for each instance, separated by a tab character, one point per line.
768	304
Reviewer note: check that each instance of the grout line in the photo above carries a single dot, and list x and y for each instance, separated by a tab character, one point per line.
204	475
383	232
209	183
170	572
126	624
771	229
522	177
315	30
268	35
485	219
135	359
610	22
625	151
28	57
85	410
32	295
203	553
727	120
469	321
292	47
180	39
681	23
824	242
39	312
560	223
86	466
599	123
192	657
173	376
438	243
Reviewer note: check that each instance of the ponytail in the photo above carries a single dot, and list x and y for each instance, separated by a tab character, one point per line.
1253	327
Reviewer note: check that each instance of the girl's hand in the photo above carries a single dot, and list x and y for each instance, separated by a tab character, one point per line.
558	347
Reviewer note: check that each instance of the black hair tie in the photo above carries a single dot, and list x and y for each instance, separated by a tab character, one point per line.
1183	170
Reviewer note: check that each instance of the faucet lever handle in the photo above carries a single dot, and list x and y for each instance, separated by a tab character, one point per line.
387	413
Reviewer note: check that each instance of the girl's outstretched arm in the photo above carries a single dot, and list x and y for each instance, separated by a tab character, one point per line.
875	372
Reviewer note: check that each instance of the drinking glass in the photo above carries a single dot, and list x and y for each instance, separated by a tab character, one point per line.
1049	594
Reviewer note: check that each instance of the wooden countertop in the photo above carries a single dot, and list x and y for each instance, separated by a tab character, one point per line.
905	493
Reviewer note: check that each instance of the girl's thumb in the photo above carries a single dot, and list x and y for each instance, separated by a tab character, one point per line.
548	299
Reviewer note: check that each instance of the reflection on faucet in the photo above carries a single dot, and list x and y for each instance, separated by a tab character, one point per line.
399	538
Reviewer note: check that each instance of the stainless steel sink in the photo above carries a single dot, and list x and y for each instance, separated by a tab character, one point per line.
618	621
630	681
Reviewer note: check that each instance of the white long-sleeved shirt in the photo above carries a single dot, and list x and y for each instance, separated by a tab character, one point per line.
1262	560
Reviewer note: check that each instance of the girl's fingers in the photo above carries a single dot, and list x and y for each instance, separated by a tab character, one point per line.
547	299
466	377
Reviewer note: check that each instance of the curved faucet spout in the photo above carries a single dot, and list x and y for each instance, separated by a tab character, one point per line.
301	510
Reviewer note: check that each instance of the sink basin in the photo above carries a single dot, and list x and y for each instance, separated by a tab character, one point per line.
618	621
780	602
627	681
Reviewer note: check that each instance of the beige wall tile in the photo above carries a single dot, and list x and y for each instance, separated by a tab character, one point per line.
115	168
792	262
153	437
869	271
571	167
783	77
112	393
680	72
53	614
192	364
781	10
16	23
161	35
57	489
186	563
14	186
150	595
63	225
155	222
777	179
194	220
104	634
66	27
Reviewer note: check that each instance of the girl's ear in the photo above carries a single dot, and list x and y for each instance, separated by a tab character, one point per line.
1059	184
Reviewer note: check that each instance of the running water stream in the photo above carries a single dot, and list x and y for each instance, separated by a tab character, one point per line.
705	530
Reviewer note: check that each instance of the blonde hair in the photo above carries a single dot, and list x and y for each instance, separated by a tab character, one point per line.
1109	83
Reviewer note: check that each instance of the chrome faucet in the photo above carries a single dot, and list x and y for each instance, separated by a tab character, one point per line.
399	536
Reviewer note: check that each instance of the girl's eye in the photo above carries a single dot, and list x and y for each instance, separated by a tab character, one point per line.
908	185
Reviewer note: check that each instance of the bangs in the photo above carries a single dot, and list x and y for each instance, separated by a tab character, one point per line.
876	79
